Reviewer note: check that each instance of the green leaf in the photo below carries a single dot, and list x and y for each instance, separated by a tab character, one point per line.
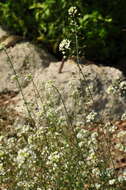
36	6
108	19
87	16
102	33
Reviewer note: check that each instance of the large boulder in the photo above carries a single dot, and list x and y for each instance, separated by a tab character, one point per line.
26	58
93	85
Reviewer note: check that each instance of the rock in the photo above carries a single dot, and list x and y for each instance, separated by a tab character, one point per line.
26	58
98	79
3	33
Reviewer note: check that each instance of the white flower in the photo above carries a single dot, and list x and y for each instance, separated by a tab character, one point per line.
11	142
123	85
121	134
82	134
23	154
109	172
54	157
112	128
2	169
92	157
120	147
30	139
28	77
64	45
123	116
121	178
81	144
92	116
96	171
97	185
94	135
72	11
111	90
112	182
81	163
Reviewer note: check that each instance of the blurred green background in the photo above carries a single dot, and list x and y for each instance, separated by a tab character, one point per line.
102	24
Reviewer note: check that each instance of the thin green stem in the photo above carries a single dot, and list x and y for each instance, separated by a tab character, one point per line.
65	108
18	82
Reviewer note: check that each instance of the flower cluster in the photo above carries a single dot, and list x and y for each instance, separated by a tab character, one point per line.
123	116
25	154
64	46
117	88
92	117
122	87
72	11
58	152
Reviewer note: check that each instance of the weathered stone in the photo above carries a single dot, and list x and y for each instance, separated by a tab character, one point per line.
28	58
98	79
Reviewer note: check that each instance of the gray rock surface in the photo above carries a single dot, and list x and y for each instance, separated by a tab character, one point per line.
26	58
29	59
3	32
98	79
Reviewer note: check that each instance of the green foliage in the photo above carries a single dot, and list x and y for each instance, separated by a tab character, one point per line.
101	24
18	17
